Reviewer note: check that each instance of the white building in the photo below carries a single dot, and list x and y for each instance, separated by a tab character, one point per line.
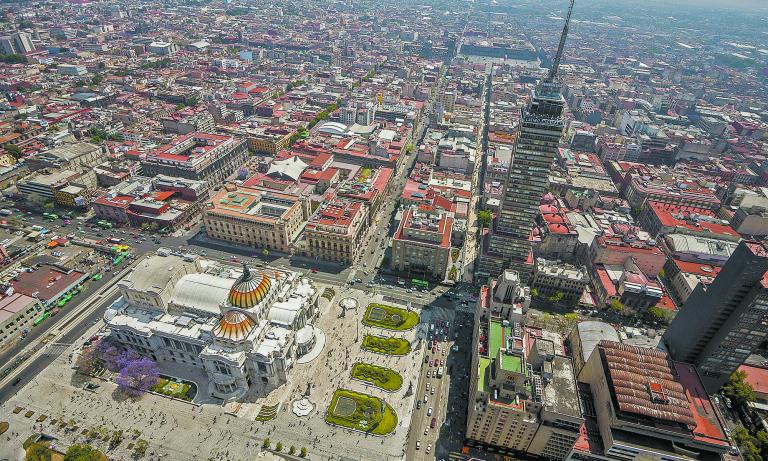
244	328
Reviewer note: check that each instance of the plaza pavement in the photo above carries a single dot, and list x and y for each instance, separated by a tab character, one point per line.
180	430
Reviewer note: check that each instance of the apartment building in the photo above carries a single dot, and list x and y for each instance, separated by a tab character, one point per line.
422	244
334	231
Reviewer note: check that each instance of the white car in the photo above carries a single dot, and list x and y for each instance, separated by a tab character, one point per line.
429	410
429	448
418	444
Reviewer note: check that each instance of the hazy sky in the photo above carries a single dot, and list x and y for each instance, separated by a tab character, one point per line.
755	4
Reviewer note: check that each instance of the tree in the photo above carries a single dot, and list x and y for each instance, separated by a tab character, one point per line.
141	446
303	452
748	444
37	452
534	292
265	252
557	297
89	361
662	273
14	150
738	389
137	376
98	78
660	314
82	452
279	446
109	355
617	305
484	217
453	274
265	443
292	450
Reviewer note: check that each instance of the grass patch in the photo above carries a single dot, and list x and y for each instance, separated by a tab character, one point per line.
389	317
388	346
362	412
328	294
173	389
381	377
4	427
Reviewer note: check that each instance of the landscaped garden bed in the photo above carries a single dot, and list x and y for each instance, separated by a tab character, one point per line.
361	412
381	377
389	317
387	346
173	387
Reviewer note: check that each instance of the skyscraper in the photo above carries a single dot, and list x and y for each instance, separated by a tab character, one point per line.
720	325
538	138
18	43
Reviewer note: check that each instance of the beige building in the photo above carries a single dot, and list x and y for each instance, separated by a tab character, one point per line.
523	395
256	217
552	277
17	314
333	233
422	244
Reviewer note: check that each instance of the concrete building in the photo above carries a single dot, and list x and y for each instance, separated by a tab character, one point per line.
18	43
163	48
553	277
43	185
584	340
17	314
540	129
751	220
721	324
256	217
201	156
71	70
81	154
334	231
641	405
244	329
360	112
421	245
523	397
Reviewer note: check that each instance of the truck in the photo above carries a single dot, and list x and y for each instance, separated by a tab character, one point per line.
440	372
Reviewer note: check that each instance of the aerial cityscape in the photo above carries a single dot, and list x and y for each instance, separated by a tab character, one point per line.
486	230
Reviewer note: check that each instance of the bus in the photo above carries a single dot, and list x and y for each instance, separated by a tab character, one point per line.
114	240
118	259
50	216
40	319
104	224
419	284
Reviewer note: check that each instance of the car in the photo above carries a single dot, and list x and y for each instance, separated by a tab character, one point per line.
429	448
313	270
434	349
418	295
429	373
425	291
426	431
429	411
425	399
433	423
418	404
409	290
427	386
426	359
16	381
431	363
418	444
432	391
437	362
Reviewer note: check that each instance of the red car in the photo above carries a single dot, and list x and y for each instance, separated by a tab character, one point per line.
313	270
437	362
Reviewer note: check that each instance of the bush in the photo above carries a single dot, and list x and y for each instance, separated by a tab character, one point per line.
279	446
381	377
388	346
292	450
303	453
265	443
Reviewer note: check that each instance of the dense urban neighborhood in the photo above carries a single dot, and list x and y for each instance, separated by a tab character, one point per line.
395	230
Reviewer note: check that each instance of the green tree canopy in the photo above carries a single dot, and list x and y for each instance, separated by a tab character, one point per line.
14	150
738	389
82	452
484	217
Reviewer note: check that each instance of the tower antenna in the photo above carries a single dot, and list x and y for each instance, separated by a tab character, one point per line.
556	62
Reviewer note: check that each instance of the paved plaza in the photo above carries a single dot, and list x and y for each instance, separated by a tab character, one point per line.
183	430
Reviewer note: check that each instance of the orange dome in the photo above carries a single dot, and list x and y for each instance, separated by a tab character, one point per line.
248	291
233	325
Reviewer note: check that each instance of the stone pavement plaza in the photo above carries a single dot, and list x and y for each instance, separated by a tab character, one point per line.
181	430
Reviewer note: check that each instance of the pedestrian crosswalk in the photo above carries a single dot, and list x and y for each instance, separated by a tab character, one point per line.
55	349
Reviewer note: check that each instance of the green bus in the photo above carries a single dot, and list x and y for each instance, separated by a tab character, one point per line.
50	216
104	224
419	284
40	319
118	259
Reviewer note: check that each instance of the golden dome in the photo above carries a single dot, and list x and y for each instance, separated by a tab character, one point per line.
234	326
248	291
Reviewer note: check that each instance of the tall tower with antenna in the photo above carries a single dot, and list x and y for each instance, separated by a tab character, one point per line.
538	138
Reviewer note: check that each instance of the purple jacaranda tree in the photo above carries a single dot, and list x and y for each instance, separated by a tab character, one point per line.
128	356
109	355
137	376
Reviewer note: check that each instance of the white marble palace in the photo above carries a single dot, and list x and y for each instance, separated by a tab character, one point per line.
245	327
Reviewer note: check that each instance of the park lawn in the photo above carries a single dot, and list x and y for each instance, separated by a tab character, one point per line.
387	346
381	377
390	317
366	415
172	389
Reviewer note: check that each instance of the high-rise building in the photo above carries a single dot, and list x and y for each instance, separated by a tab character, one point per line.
523	396
18	43
722	323
540	129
